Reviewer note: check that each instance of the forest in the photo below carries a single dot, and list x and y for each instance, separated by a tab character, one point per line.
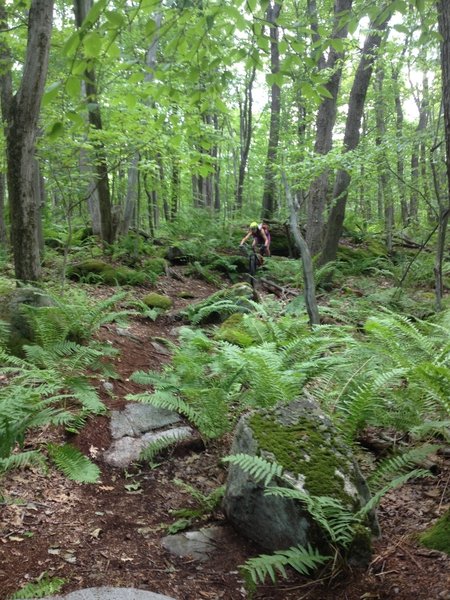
144	332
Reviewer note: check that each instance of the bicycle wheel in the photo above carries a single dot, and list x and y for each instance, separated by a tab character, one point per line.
252	264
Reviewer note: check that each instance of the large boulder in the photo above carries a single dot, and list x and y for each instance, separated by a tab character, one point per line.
303	440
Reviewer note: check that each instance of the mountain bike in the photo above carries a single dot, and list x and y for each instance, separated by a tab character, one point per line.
255	257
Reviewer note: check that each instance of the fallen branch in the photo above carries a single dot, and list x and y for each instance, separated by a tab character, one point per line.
279	288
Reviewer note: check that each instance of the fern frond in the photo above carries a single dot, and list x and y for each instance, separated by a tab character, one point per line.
303	559
397	482
73	463
45	586
401	462
150	452
262	470
22	460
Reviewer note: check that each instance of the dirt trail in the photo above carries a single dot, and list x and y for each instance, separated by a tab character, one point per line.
109	534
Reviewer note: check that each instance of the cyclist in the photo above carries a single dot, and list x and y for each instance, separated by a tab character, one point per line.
261	237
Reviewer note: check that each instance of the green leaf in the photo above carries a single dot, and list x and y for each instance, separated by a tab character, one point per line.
73	87
92	44
56	130
94	12
338	44
401	28
51	93
115	19
75	118
130	100
308	91
114	51
79	67
323	91
71	45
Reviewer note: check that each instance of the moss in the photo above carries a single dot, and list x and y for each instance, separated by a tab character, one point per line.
185	294
108	274
234	336
156	265
154	300
303	448
233	321
438	536
88	266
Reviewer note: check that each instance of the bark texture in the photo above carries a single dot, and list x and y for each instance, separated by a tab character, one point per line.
21	113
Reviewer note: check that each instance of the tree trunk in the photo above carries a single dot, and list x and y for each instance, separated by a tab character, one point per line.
308	270
245	134
21	113
415	161
351	139
444	29
3	237
326	118
81	8
269	195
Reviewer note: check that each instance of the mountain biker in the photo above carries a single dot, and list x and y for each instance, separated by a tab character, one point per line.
261	237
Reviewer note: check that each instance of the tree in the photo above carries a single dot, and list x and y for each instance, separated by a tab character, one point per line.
351	136
444	29
268	203
21	113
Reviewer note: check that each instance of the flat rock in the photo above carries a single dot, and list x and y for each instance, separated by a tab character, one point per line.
127	450
110	593
138	418
200	545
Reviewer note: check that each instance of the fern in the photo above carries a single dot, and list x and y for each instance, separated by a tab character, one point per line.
43	586
401	462
150	452
262	470
73	463
303	560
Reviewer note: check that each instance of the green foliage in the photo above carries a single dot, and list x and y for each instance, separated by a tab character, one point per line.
159	301
73	463
304	560
438	536
150	452
204	505
98	271
43	586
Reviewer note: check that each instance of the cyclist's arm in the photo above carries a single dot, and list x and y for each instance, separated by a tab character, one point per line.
245	238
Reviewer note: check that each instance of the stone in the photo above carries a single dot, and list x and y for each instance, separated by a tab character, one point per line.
199	545
137	418
127	450
110	593
301	438
12	312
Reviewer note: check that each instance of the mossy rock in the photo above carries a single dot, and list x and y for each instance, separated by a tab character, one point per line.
101	271
438	536
156	265
303	440
13	314
186	295
155	300
234	336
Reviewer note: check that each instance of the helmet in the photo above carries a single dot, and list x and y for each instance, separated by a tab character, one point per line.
253	225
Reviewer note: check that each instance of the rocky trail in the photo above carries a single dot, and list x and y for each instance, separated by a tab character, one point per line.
112	533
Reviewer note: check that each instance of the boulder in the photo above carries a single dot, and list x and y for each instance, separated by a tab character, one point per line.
303	440
13	314
110	593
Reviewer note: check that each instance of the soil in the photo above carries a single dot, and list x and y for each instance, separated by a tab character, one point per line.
110	533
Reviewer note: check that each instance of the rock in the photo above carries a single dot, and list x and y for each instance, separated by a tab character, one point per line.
136	419
154	300
110	593
12	311
127	450
301	438
200	545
